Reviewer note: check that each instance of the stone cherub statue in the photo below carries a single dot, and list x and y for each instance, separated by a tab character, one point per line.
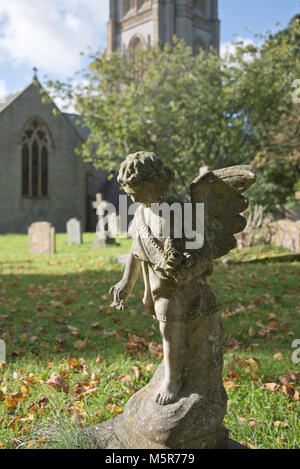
175	278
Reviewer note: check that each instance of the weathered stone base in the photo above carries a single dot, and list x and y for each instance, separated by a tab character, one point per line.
195	419
102	436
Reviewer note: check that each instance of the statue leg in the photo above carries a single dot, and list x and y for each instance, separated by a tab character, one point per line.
174	346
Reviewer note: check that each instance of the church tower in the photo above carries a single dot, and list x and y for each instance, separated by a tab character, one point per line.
139	23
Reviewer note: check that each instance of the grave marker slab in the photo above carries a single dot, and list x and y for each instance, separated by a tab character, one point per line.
41	238
74	231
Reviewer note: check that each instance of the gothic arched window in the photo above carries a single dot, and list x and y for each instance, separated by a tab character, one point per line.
136	43
35	160
197	46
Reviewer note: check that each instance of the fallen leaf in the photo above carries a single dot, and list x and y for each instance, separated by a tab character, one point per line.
126	379
295	375
252	422
280	424
15	399
278	356
284	379
274	387
114	409
229	384
137	372
290	391
80	344
57	381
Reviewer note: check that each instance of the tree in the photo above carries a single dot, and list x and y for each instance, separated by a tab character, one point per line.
194	110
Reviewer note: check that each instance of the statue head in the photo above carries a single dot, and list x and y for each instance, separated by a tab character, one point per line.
144	177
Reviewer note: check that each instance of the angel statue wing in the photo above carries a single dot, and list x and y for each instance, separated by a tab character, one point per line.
221	192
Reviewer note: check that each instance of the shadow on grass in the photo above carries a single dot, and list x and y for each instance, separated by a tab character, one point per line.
63	314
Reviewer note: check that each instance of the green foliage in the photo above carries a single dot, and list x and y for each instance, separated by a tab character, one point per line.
197	110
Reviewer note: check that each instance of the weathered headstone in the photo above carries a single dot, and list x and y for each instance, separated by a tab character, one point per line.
41	238
284	233
74	231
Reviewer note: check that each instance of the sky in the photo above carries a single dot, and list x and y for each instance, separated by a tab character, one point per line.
50	34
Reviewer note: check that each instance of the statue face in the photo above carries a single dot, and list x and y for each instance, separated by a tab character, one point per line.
140	194
146	193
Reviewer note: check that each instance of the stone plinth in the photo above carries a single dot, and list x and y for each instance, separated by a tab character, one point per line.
195	419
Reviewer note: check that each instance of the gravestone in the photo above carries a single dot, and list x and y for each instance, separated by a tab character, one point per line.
74	231
284	233
41	238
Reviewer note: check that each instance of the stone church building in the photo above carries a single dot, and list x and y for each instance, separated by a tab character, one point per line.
136	24
41	176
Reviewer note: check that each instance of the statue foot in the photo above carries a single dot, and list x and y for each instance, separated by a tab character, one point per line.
168	392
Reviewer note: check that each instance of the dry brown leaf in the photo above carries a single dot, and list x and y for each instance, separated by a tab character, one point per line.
126	379
58	382
284	379
15	399
280	424
99	359
295	375
290	391
80	344
229	384
137	372
114	409
252	422
274	387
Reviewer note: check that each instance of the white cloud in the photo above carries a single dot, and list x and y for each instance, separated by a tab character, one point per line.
2	91
229	48
51	34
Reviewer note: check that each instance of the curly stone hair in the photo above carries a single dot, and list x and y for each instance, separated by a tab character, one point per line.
144	167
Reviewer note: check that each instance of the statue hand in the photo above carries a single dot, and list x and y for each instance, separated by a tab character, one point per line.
120	294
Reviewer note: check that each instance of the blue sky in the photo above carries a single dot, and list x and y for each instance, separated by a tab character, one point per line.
51	34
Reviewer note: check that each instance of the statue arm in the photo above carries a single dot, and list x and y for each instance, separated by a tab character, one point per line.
132	271
122	290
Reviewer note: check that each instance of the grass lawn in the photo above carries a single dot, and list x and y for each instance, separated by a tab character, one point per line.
57	324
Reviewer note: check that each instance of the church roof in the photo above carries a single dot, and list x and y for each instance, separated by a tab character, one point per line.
9	99
74	120
77	123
